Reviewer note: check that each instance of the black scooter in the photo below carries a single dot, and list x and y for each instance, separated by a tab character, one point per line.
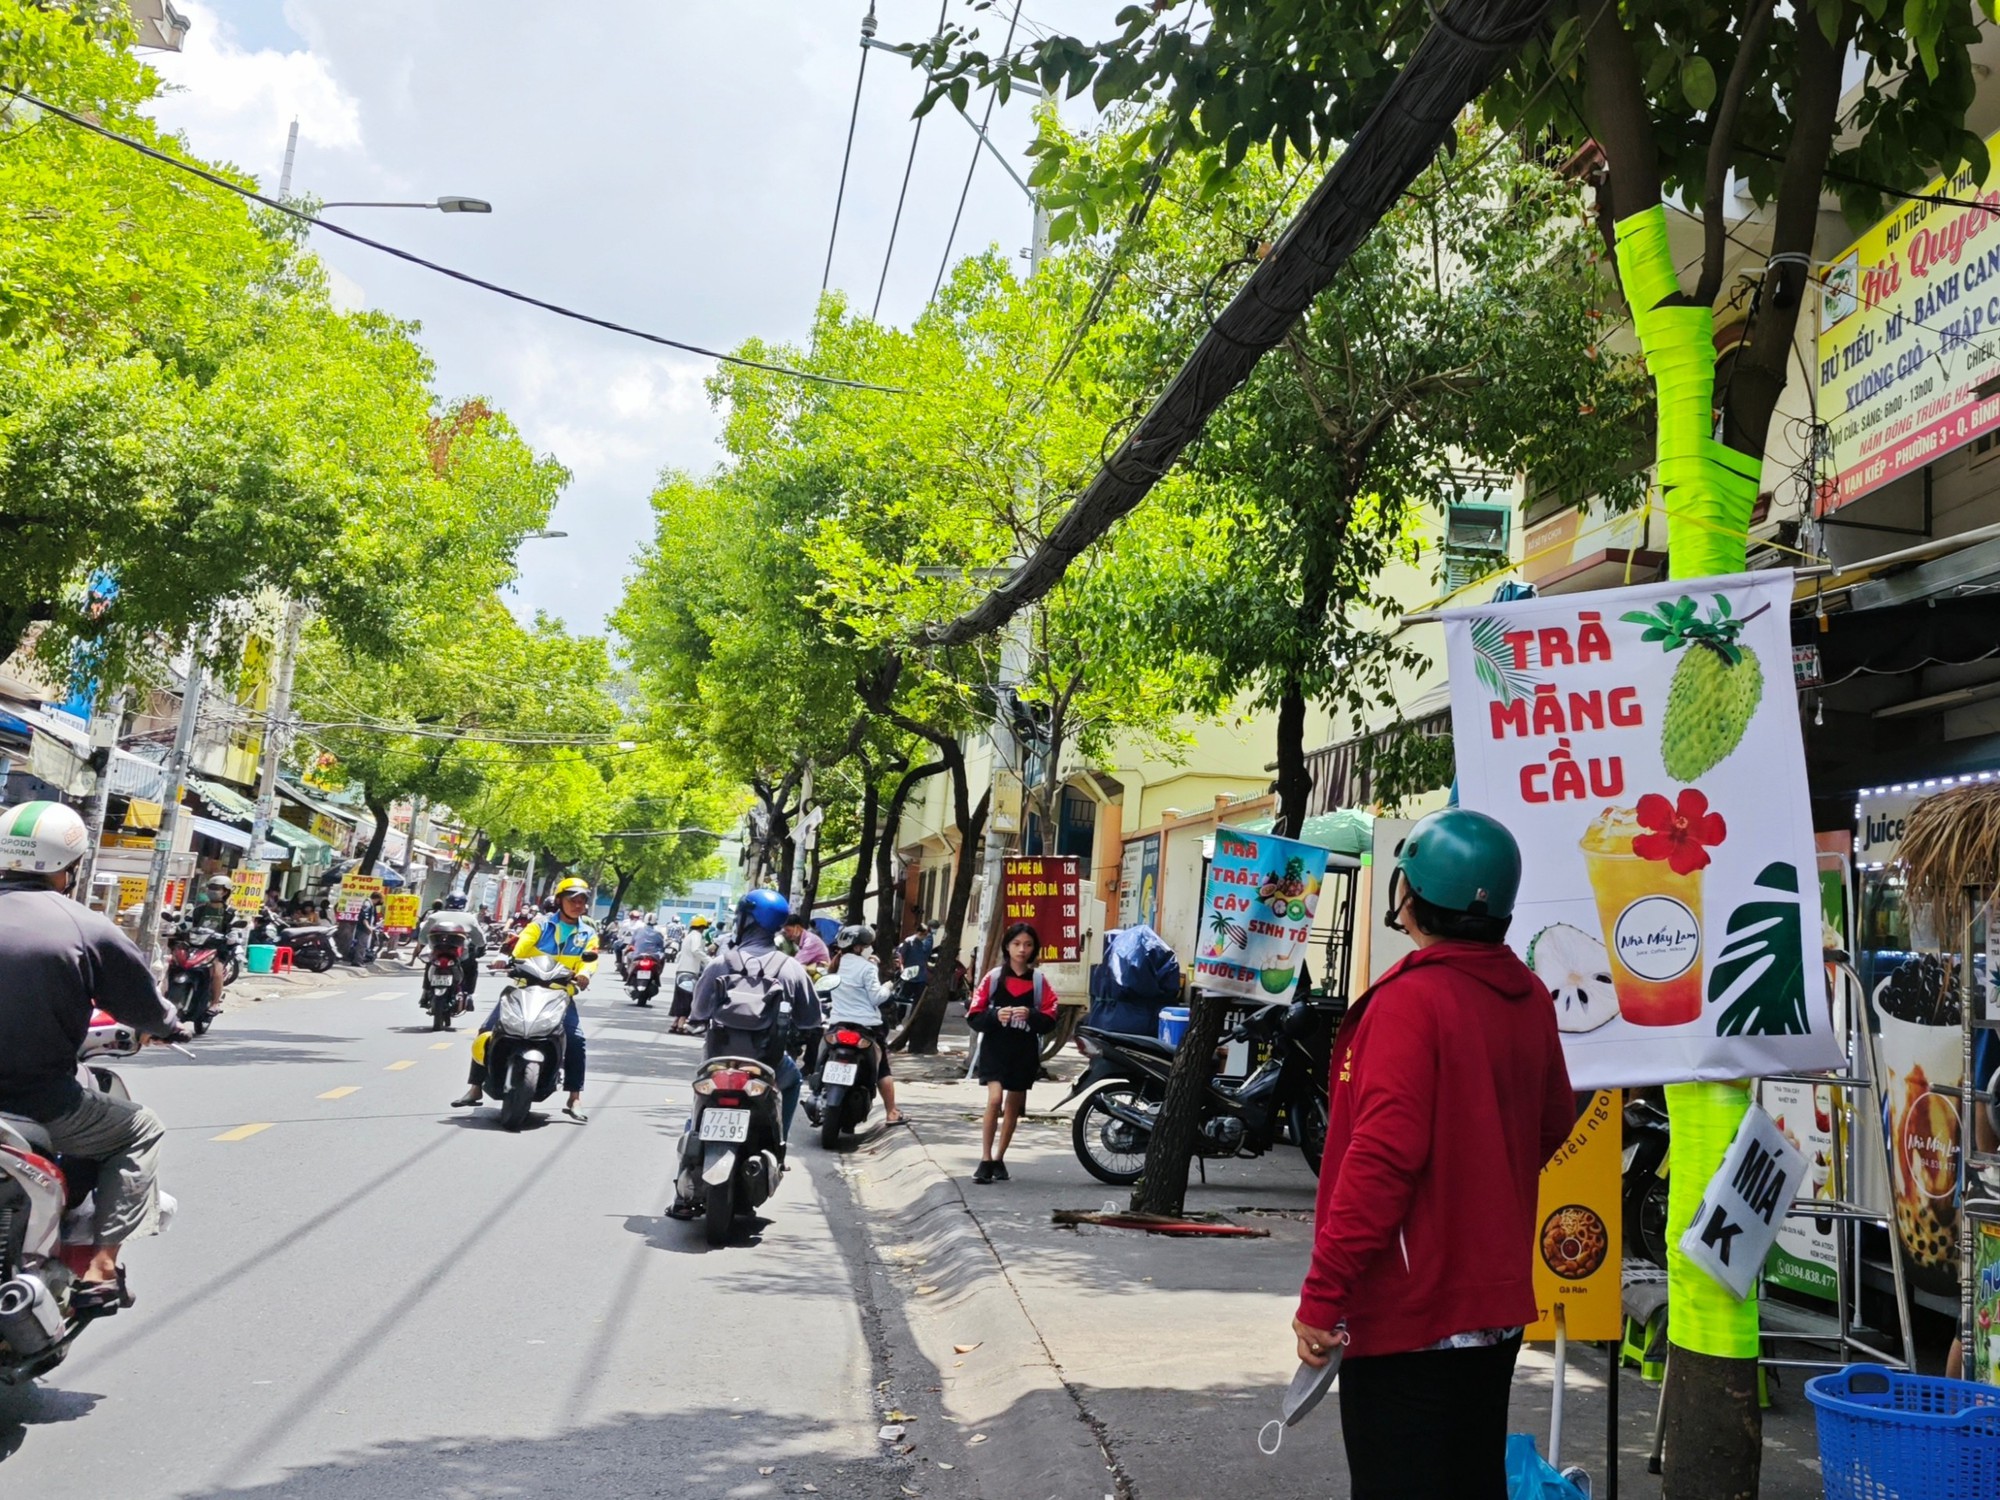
733	1150
311	942
848	1074
1283	1098
1648	1150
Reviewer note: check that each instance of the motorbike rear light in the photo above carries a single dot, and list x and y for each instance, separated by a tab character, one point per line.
729	1101
755	1087
847	1038
704	1086
735	1080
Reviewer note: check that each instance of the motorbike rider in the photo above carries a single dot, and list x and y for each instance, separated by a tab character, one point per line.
856	1000
451	915
688	964
739	994
571	941
1458	1025
649	942
916	949
212	914
807	946
60	959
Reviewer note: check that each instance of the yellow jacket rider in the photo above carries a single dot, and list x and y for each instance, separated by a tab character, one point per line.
571	941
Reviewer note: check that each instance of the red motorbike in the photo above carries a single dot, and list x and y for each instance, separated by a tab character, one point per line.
642	979
192	956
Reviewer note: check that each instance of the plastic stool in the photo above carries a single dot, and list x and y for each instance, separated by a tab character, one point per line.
281	961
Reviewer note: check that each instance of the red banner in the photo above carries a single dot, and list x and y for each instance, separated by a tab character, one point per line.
1044	893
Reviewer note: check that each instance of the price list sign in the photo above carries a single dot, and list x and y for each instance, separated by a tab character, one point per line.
1044	893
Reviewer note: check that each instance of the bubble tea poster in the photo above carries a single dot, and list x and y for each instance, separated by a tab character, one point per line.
1643	744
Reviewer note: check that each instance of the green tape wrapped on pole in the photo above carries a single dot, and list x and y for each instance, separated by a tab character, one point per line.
1708	490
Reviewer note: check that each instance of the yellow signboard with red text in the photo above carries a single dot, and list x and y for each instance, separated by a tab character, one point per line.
399	911
1579	1235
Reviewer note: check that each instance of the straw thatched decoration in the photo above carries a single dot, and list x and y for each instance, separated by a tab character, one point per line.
1952	841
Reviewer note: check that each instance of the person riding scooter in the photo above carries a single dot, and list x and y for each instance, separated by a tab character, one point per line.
855	998
452	916
566	937
60	959
213	914
740	992
688	964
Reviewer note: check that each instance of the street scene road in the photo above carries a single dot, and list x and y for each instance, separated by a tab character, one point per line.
367	1293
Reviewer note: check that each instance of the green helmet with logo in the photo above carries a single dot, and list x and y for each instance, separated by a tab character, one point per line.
1458	860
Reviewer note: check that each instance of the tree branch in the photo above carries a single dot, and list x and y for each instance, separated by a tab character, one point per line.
1722	143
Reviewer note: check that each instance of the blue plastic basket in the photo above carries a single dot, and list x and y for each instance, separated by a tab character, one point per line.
1885	1435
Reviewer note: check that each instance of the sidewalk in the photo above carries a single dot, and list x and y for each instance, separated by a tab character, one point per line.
1083	1387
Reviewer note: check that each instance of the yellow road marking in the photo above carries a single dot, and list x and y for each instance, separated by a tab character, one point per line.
242	1132
442	1046
397	1067
342	1093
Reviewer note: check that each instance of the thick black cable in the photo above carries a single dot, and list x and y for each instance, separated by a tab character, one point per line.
896	223
847	155
430	265
992	97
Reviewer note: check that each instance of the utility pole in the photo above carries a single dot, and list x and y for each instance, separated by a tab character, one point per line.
103	736
170	816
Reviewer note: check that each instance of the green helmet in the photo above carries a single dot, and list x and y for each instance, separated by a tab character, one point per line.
1458	860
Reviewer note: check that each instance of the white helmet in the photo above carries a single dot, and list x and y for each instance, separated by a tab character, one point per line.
42	837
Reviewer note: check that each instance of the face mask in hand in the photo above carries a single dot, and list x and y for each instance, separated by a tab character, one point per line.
1308	1388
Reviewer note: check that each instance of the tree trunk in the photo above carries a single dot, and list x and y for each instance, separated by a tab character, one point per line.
856	907
618	891
380	836
1162	1188
888	928
928	1021
1294	782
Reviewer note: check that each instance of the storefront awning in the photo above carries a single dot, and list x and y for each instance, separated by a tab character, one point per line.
1902	637
309	852
235	838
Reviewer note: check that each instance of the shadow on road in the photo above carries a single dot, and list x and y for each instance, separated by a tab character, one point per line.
22	1407
234	1047
680	1237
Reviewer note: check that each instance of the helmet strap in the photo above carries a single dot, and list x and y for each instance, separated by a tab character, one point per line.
1392	918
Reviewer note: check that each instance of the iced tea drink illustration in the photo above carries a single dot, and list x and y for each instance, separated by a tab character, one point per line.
1651	916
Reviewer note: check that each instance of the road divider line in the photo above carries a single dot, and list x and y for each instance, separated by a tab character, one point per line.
384	995
397	1067
442	1046
342	1092
242	1132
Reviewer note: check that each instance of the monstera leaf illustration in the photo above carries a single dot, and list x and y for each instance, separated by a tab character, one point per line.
1758	976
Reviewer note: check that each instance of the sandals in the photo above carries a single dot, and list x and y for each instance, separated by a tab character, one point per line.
99	1299
898	1118
577	1115
472	1103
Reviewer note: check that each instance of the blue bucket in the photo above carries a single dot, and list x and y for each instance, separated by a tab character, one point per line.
1884	1434
1173	1024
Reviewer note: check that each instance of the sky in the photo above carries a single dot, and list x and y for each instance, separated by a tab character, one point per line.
672	166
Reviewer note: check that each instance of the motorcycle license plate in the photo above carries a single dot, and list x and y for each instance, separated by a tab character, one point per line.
841	1072
725	1125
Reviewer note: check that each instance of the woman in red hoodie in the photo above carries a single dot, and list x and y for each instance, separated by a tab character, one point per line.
1448	1094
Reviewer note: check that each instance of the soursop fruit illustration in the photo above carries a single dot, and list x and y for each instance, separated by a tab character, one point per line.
1716	687
1577	971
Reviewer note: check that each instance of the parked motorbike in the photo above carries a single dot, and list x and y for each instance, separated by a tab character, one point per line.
444	978
1648	1145
311	942
643	982
848	1077
733	1144
46	1211
1283	1098
900	998
524	1052
192	956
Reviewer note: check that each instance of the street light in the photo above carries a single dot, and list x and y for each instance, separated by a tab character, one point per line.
450	204
542	536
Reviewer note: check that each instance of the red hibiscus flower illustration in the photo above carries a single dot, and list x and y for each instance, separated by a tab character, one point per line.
1680	832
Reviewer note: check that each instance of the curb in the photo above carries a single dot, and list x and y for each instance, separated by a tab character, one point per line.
1037	1438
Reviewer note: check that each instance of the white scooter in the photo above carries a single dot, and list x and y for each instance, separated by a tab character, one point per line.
46	1211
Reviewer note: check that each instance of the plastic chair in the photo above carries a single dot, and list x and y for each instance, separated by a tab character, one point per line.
281	961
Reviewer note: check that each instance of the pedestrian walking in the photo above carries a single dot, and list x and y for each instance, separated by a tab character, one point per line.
1013	1006
1448	1094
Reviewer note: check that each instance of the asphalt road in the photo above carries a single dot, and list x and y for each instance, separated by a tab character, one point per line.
367	1293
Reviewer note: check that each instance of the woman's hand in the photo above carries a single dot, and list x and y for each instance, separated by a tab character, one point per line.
1316	1345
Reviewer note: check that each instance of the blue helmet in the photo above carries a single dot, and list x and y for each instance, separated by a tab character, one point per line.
765	909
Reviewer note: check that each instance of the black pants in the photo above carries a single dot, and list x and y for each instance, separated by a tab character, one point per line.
1430	1425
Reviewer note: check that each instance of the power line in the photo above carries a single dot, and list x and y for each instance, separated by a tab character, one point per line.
430	265
854	114
896	223
973	166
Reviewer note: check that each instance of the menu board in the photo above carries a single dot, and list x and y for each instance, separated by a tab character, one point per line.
1579	1227
399	912
1044	892
250	879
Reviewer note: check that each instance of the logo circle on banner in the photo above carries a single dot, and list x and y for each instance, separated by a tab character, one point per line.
1658	938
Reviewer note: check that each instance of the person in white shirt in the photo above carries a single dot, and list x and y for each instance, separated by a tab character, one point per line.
856	1000
688	964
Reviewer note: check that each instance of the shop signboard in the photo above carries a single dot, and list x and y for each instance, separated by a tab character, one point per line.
250	881
1256	914
1644	747
1141	879
131	891
1805	1256
1878	827
356	891
1579	1219
1745	1202
1904	354
400	911
1043	892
